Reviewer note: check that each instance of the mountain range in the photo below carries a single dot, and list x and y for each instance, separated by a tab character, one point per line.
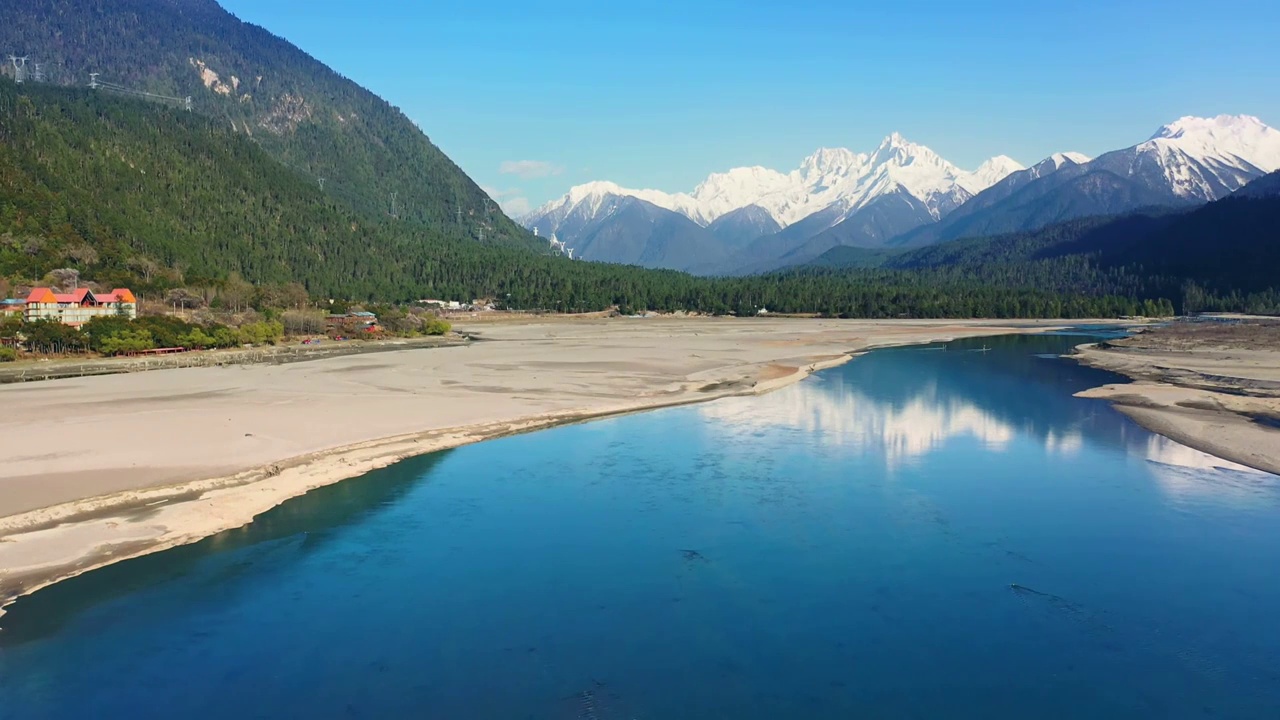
900	195
357	147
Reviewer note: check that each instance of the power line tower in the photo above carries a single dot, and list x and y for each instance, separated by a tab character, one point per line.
186	103
93	80
459	211
37	72
321	184
394	212
19	68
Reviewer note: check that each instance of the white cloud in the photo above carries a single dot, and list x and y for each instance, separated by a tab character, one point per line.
529	169
516	206
512	200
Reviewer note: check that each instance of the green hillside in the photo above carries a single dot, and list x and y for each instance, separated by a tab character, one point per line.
1222	256
370	154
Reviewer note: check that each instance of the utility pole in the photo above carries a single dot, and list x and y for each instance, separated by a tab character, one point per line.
19	68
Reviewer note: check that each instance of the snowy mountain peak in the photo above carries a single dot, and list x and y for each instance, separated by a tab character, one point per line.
1225	138
1203	158
896	148
578	193
989	173
829	178
1062	158
1220	126
828	161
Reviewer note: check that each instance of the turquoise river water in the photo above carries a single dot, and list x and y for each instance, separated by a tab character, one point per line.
932	532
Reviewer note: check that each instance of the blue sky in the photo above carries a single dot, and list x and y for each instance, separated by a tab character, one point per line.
531	97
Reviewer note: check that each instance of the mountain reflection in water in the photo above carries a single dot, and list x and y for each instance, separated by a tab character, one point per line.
924	532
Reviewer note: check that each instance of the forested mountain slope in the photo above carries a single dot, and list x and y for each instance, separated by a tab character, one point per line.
124	188
369	154
1225	249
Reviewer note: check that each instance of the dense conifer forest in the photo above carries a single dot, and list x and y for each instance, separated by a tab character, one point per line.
252	82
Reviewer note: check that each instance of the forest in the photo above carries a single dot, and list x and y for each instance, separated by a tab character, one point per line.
137	194
250	82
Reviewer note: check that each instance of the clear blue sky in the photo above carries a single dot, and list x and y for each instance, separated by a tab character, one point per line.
659	94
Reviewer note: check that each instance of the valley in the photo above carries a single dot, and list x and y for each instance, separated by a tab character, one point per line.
528	361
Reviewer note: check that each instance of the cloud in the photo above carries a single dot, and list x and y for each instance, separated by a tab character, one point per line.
512	200
529	169
516	206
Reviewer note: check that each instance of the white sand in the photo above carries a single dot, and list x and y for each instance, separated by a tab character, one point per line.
207	449
1203	397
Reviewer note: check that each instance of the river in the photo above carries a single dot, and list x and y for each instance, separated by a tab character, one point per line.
929	532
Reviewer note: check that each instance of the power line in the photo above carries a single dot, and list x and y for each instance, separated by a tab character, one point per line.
96	84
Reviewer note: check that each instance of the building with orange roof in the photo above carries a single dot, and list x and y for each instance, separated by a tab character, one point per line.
79	307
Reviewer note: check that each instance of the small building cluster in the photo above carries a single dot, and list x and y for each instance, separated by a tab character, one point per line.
74	308
456	306
353	322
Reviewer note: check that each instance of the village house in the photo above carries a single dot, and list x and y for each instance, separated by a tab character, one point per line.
79	307
12	308
353	322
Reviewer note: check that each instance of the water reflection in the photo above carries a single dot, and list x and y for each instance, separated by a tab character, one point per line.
904	404
1190	476
899	431
923	533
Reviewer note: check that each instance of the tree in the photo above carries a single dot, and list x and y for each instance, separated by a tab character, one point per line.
127	341
235	293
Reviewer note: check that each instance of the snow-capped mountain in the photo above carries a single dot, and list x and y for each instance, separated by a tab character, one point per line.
1199	159
1189	161
828	187
905	194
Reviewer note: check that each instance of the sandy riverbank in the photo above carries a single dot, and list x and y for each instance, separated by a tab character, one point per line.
97	470
1214	387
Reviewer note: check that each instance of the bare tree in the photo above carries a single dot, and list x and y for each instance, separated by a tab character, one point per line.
146	267
81	254
64	279
184	299
236	294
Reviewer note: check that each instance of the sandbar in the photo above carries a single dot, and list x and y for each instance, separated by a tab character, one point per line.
1211	385
100	469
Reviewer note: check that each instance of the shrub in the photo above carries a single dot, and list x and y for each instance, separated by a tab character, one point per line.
225	337
261	333
196	339
8	354
436	326
127	341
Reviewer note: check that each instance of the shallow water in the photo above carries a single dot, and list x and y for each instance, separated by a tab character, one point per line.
925	532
